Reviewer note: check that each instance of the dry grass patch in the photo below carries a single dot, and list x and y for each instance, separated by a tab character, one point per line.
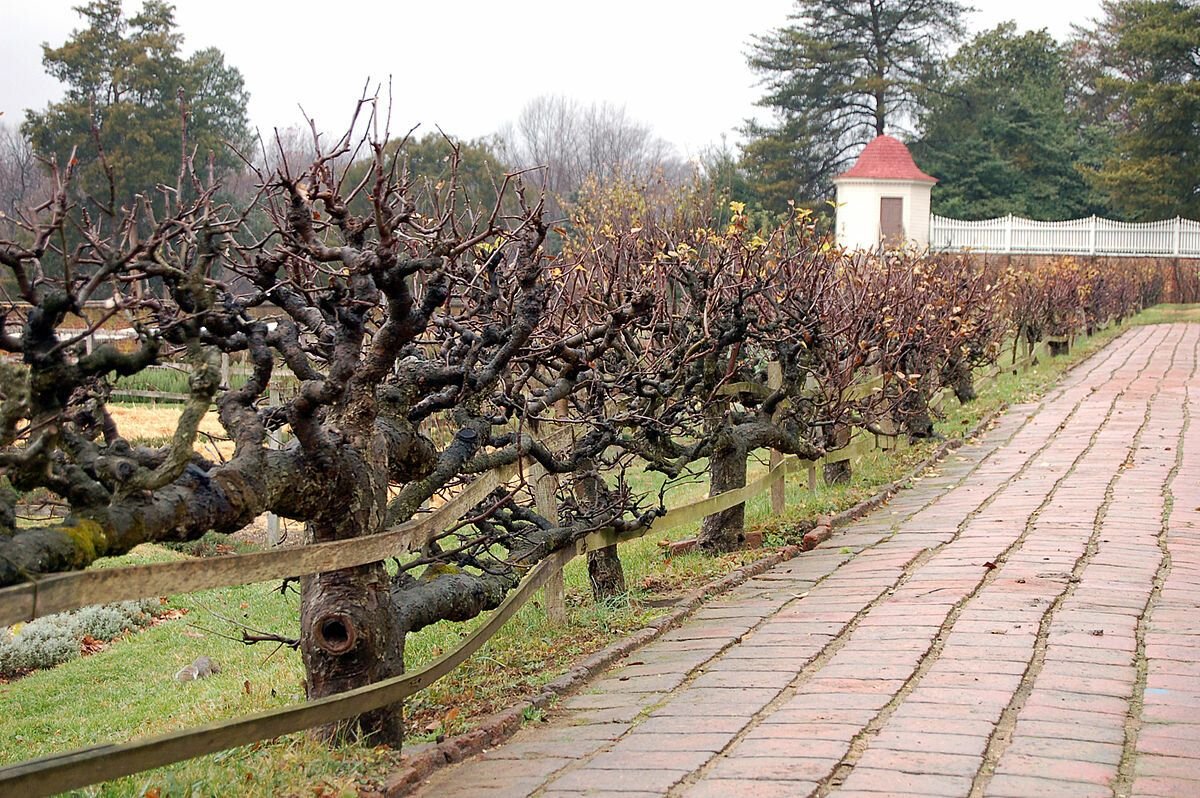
154	425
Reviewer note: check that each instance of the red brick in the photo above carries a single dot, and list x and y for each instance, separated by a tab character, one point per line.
1106	705
1082	732
1078	750
920	762
1164	787
815	537
805	731
686	761
1002	786
1150	742
890	782
930	742
584	779
771	768
1060	769
748	788
791	746
1169	766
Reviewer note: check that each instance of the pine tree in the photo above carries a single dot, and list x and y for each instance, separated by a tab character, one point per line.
839	74
999	133
128	92
1140	68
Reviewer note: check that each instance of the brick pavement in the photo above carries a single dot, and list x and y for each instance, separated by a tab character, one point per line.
1024	621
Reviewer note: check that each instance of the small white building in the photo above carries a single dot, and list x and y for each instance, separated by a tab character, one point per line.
883	199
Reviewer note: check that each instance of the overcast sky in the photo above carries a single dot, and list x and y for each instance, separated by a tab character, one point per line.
470	65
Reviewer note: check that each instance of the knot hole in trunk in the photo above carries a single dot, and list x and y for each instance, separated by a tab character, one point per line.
335	634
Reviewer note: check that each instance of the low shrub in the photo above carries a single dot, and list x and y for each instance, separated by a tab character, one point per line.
54	639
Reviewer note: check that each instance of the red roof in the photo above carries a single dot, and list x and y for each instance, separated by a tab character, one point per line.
886	158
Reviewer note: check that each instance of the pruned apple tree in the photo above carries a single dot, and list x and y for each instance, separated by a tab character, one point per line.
425	336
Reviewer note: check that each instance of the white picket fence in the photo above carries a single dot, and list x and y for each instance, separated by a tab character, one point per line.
1011	235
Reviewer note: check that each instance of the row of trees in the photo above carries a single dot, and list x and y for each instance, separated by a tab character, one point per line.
129	89
432	335
1009	122
408	286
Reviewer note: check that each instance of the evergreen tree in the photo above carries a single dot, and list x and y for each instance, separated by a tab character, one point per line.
1140	73
128	93
998	132
479	172
839	74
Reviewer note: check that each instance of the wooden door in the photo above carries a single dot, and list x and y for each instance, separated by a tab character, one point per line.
891	221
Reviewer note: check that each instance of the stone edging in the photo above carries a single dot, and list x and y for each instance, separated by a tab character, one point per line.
498	727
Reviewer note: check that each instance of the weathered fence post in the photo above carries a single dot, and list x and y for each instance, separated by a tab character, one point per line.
545	494
545	497
225	370
779	486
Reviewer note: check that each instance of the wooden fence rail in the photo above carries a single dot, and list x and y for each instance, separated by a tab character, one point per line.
73	769
67	591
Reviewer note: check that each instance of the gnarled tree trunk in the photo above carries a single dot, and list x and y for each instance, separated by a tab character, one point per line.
605	572
918	422
726	530
837	436
350	638
350	635
914	402
962	382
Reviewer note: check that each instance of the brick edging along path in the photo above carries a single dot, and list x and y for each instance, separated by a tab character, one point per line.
1021	623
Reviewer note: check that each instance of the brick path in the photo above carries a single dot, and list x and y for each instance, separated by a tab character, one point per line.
1024	622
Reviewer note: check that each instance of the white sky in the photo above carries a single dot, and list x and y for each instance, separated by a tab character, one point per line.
471	65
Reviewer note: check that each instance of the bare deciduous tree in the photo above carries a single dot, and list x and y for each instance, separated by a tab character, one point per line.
22	178
575	141
425	348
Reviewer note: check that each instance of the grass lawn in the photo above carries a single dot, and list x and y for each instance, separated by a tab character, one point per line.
127	690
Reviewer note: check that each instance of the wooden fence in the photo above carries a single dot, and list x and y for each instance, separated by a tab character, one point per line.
61	592
1012	235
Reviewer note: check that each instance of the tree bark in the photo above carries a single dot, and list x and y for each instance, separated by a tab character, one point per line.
837	437
918	423
605	572
350	633
349	638
914	403
962	382
726	530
